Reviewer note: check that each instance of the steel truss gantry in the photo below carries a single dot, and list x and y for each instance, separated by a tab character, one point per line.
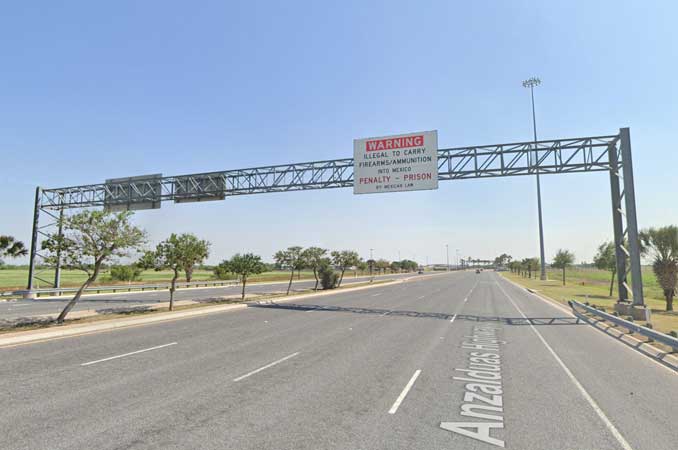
610	153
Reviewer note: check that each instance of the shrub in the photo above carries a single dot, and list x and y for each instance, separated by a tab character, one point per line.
223	271
328	278
673	333
126	273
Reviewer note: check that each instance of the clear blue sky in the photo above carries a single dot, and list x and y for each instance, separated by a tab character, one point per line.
96	90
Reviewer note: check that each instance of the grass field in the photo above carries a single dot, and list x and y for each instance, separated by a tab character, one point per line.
594	286
12	279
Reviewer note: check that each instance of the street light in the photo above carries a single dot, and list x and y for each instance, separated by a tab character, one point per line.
532	83
447	250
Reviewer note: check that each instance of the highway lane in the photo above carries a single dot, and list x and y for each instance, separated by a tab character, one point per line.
15	309
327	373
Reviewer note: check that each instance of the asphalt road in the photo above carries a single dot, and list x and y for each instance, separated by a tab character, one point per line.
391	367
25	308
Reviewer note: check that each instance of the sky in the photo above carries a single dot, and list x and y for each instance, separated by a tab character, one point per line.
97	90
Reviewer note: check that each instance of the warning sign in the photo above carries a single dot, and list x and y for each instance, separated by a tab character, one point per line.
406	162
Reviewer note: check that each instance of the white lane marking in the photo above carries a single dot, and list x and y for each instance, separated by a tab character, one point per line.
128	354
569	313
608	424
386	313
466	299
21	304
242	377
376	295
453	317
472	289
419	298
403	394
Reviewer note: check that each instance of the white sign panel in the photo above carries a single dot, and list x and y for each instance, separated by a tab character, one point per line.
405	162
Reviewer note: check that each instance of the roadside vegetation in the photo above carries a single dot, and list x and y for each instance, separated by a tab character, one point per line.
344	262
93	243
595	283
89	239
177	253
11	248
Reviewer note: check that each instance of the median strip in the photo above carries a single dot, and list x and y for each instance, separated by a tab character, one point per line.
403	394
267	366
128	354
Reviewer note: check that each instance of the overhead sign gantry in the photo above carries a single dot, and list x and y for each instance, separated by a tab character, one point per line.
607	153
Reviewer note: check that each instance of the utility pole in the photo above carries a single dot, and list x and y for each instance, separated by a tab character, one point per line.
371	265
447	251
532	83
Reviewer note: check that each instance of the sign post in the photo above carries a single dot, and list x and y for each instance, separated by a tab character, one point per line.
404	162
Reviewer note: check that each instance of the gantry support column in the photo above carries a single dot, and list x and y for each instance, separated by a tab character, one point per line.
34	241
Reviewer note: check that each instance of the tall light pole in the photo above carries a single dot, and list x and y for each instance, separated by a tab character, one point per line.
532	83
371	264
447	251
457	253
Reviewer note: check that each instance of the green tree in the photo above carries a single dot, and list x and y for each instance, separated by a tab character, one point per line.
382	265
606	259
179	252
245	265
313	259
293	259
362	266
345	259
222	271
408	265
328	277
502	260
396	267
194	251
89	239
661	244
11	248
126	273
563	259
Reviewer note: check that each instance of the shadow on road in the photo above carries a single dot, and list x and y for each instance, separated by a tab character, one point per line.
421	314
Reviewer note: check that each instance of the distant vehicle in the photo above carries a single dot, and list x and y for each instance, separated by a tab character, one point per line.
420	272
477	270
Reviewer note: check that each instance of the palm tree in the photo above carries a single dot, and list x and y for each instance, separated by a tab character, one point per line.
662	245
10	247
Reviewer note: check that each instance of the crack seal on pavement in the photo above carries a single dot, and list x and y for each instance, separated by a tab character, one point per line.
483	389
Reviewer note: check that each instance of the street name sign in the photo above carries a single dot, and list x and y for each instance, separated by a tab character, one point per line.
404	162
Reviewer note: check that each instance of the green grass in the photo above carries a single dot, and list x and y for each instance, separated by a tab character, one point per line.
11	279
594	286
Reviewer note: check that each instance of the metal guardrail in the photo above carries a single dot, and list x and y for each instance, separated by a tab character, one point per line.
118	288
631	326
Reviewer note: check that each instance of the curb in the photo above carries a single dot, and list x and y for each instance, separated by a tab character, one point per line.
667	359
27	337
